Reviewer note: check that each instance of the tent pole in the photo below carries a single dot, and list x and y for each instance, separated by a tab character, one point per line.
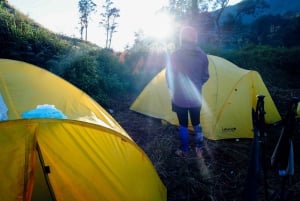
260	112
257	157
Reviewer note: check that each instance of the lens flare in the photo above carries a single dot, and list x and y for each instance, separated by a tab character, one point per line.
159	27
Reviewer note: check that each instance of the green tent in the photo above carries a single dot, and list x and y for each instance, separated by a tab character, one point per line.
82	155
229	97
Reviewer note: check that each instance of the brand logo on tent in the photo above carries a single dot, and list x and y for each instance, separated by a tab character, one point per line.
229	129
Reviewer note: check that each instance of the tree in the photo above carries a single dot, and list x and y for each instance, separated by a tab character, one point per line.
184	9
108	21
197	13
219	6
86	7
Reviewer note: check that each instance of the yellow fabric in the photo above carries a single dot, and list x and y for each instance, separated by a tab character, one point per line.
91	157
228	99
87	162
24	86
16	156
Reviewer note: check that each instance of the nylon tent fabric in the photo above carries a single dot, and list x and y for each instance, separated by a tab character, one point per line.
81	168
229	96
24	86
87	156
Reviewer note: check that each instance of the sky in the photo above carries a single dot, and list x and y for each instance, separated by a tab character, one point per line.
62	17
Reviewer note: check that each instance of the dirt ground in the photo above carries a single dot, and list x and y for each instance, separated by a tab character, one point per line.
221	174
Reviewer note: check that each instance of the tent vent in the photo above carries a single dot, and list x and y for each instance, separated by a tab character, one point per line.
47	169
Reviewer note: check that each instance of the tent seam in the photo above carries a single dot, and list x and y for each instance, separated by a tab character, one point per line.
9	101
227	98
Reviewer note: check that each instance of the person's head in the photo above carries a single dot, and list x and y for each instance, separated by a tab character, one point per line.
188	34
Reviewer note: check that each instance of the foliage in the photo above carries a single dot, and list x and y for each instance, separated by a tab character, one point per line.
219	7
98	73
115	76
183	9
251	7
272	63
146	59
233	31
82	71
23	39
95	71
276	31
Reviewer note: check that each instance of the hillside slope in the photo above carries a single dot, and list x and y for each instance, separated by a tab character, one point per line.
26	40
275	7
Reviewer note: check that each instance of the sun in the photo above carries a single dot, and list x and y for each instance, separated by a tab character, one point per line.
158	26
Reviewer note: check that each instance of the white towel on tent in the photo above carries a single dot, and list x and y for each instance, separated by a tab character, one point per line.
44	111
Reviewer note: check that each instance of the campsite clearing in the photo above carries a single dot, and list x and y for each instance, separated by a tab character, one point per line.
221	174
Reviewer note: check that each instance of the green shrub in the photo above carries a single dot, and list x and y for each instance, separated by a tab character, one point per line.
96	72
114	75
82	72
277	65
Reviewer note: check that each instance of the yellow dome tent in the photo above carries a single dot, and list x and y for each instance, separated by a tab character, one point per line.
85	156
228	99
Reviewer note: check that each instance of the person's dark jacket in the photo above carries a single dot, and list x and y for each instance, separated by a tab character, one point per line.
186	74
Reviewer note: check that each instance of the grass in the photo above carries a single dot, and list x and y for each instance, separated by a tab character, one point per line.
219	176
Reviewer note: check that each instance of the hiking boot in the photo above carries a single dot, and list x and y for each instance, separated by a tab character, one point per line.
181	154
198	138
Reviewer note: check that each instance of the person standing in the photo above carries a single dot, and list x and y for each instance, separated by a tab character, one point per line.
186	73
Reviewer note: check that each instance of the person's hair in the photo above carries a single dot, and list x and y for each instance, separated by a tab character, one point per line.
189	34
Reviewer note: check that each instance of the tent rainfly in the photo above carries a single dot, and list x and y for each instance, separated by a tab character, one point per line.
229	97
84	155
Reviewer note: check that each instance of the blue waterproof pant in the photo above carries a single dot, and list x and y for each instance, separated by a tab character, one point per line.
182	115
